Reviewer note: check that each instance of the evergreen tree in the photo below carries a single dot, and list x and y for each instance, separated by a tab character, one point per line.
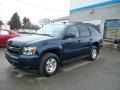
14	22
26	23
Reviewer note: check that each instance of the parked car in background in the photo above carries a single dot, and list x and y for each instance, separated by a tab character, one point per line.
26	31
52	45
5	35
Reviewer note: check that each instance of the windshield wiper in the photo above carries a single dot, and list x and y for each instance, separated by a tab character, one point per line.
45	34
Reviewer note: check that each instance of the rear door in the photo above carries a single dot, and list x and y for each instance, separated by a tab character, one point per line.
85	39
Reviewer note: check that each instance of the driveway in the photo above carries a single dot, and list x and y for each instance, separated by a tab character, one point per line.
102	74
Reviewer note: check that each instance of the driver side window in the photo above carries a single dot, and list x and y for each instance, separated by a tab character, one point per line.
73	30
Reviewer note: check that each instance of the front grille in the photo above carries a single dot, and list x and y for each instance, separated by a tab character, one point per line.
14	49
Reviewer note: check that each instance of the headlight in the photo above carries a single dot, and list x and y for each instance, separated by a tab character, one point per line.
29	50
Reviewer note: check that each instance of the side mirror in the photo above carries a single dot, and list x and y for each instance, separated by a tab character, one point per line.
69	36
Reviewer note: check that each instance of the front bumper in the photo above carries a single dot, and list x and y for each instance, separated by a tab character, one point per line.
23	61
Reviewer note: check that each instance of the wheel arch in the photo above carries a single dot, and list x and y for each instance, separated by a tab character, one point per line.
56	51
97	45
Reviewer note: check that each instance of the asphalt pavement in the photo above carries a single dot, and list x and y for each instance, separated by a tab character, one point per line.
102	74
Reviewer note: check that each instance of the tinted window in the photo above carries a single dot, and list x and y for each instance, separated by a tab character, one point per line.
84	32
4	33
94	31
73	30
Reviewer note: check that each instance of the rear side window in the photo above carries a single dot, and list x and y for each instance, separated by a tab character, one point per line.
84	31
4	33
93	31
73	30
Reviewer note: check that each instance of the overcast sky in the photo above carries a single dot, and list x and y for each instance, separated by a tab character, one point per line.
34	9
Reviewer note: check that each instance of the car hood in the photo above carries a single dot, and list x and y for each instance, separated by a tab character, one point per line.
29	39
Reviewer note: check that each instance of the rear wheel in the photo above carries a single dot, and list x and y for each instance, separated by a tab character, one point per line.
93	53
49	64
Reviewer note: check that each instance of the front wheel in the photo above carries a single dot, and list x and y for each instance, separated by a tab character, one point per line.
93	53
49	64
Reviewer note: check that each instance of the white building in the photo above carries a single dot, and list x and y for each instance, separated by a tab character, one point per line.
103	12
5	26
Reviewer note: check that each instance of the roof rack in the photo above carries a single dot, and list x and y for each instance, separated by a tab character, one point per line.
69	22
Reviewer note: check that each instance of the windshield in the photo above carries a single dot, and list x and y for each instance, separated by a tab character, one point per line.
51	30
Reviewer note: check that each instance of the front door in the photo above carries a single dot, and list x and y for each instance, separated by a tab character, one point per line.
71	45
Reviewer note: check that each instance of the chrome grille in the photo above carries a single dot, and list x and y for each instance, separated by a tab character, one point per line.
14	49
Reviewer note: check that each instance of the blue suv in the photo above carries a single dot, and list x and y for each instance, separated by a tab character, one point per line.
54	44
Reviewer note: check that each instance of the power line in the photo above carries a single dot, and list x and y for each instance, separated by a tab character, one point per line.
50	9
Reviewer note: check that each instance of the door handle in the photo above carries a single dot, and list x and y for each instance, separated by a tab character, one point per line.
79	40
91	39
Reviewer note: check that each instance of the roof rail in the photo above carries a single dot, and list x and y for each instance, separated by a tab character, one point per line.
68	22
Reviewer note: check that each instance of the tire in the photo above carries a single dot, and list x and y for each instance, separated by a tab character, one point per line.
49	64
93	53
